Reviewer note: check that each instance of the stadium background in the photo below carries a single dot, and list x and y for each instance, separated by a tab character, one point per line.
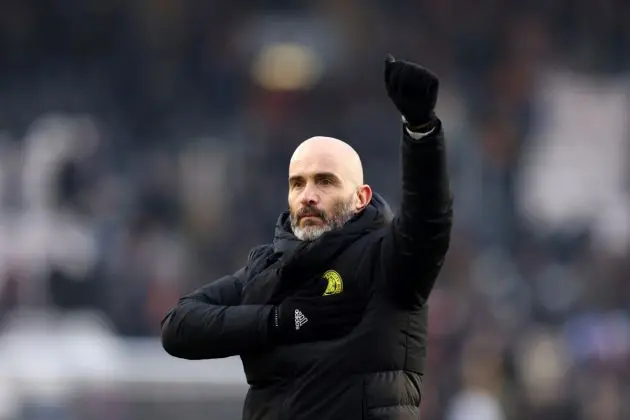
144	148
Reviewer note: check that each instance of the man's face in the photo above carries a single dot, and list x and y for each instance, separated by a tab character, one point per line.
320	199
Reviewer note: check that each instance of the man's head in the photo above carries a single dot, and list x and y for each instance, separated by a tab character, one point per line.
325	186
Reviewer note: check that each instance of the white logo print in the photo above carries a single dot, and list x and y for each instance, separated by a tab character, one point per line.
300	319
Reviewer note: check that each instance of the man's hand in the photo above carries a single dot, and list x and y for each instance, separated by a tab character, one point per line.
305	318
414	91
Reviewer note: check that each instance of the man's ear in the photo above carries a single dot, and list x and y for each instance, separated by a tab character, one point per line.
364	196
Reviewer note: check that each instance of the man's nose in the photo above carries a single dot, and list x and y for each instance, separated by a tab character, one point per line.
310	195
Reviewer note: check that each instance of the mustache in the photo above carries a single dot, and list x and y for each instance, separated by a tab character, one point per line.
311	211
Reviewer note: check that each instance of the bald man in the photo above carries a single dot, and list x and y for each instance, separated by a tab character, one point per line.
330	319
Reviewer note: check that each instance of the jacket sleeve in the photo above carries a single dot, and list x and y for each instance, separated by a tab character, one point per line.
414	248
210	323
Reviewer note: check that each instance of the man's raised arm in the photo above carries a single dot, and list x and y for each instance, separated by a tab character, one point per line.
414	250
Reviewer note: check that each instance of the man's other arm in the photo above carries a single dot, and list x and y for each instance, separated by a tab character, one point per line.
415	247
210	323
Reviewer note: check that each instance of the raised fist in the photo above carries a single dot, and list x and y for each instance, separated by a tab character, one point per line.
413	89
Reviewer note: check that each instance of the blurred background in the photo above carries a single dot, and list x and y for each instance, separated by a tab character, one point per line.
144	149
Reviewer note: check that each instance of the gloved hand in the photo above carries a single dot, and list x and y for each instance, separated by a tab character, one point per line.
414	91
304	318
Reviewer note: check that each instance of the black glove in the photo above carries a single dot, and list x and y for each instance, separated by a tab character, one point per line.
304	318
414	91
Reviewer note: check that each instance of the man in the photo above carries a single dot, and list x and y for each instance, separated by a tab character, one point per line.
330	320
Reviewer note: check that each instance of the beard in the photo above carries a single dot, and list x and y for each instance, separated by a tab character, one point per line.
340	214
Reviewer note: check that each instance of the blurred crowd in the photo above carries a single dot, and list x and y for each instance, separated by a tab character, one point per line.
144	150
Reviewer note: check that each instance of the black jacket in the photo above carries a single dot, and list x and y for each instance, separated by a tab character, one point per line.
375	372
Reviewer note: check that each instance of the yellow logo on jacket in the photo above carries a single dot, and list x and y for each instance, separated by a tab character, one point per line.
335	284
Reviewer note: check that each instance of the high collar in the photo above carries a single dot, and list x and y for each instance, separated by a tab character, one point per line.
375	215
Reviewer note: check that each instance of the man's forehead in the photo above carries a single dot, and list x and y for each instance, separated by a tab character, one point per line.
315	163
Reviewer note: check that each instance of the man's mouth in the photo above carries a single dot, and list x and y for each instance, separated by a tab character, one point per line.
311	219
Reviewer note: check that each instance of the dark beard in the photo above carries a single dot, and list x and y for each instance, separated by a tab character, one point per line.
341	213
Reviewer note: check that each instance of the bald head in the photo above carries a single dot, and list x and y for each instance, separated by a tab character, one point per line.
325	186
333	153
